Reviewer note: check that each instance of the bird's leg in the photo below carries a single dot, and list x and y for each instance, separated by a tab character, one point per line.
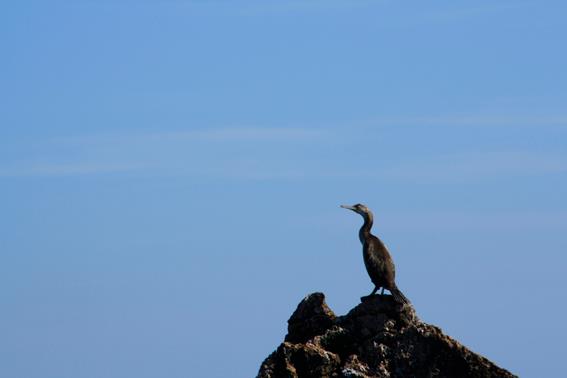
382	293
362	299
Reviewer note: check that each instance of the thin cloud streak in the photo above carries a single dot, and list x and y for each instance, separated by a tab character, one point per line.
67	169
428	17
243	134
479	221
226	134
471	120
478	166
447	221
267	154
276	7
475	11
194	152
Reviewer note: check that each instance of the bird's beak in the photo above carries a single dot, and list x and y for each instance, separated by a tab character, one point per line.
347	207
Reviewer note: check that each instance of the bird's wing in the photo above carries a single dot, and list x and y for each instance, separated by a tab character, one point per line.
379	263
374	263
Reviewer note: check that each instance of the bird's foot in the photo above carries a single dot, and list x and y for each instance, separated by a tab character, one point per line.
368	297
371	296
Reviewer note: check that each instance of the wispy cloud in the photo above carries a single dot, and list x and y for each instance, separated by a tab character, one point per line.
460	12
471	120
276	7
210	152
474	166
226	134
243	134
300	153
463	220
476	221
427	16
65	169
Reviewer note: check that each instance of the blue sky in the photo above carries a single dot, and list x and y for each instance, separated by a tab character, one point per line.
171	174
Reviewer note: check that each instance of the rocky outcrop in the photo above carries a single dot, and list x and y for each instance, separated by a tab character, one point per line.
377	338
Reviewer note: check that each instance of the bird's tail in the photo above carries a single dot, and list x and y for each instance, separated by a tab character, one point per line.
399	296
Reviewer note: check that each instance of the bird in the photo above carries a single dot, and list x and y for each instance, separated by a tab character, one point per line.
377	258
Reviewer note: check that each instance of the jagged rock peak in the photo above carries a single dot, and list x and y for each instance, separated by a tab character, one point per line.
377	338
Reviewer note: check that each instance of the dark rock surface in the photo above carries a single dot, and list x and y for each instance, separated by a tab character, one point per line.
377	338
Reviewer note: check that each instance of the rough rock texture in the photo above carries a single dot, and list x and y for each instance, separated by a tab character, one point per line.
377	338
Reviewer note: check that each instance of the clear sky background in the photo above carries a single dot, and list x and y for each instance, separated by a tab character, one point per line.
171	174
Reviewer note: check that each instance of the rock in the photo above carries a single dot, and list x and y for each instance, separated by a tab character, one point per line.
311	318
377	338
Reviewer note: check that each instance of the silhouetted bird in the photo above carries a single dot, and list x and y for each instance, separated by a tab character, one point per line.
377	259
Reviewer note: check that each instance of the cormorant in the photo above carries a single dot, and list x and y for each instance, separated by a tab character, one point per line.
377	259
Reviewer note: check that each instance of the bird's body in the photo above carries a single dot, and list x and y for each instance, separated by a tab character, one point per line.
377	259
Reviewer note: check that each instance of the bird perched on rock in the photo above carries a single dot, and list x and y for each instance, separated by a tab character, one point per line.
377	259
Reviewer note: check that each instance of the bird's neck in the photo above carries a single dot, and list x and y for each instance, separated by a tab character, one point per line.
364	232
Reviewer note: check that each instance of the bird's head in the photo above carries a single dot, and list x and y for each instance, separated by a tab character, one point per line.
358	208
